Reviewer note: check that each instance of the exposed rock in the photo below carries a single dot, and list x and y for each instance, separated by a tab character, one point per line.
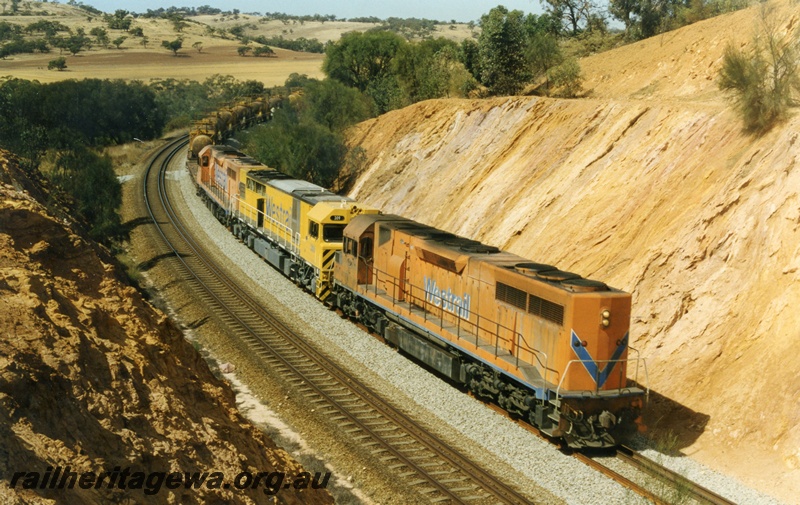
92	377
664	197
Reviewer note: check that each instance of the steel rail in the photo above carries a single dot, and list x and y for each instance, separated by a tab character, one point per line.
250	320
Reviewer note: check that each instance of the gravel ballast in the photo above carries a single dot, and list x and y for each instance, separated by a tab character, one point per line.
537	460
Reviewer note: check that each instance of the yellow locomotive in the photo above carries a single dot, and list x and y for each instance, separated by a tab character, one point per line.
295	225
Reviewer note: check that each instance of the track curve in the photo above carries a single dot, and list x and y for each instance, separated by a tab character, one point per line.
419	459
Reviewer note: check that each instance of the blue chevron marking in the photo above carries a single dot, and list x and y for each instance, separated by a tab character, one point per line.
599	376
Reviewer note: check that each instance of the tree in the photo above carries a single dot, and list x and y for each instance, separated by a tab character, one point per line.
501	47
243	50
100	35
645	18
91	182
263	51
763	81
334	105
178	24
118	41
119	20
573	13
199	46
58	64
357	59
173	46
145	40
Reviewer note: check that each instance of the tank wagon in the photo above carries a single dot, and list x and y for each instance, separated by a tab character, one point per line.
546	345
295	225
214	128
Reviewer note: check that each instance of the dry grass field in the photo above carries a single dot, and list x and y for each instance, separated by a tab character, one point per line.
216	55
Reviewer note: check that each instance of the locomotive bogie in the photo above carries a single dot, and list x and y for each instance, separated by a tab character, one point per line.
521	336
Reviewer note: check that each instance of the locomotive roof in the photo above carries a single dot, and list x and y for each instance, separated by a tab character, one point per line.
304	190
457	249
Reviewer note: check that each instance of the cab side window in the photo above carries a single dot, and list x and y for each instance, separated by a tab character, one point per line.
366	248
313	229
350	246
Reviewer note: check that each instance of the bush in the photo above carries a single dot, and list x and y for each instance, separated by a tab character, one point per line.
58	64
763	80
566	80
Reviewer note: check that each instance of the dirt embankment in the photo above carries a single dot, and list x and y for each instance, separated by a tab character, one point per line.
658	193
92	377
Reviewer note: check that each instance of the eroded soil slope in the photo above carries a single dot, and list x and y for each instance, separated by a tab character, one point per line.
662	195
92	377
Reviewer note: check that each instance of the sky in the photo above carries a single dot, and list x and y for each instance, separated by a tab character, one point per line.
440	10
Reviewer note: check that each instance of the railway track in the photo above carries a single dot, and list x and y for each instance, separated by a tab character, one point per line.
663	485
672	487
418	459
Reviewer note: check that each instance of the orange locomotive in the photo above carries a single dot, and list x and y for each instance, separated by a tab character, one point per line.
544	344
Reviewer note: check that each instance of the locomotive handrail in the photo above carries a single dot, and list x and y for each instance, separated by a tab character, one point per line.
597	387
276	230
422	303
646	374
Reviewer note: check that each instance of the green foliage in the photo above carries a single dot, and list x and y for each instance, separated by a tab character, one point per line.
763	81
49	28
9	31
66	118
243	50
263	51
90	112
501	47
302	148
409	27
645	18
574	14
543	53
100	36
118	41
566	79
423	69
119	20
334	105
19	45
357	59
174	45
299	44
89	180
306	139
59	64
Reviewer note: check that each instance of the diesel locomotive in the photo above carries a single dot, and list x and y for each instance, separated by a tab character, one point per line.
546	345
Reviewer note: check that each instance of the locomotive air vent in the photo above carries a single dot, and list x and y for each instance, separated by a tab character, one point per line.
584	285
442	236
460	242
533	268
557	275
480	248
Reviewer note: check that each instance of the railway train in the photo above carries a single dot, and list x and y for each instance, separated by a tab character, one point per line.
546	345
221	124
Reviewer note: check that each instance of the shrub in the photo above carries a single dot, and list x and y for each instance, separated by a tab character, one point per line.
58	64
763	80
